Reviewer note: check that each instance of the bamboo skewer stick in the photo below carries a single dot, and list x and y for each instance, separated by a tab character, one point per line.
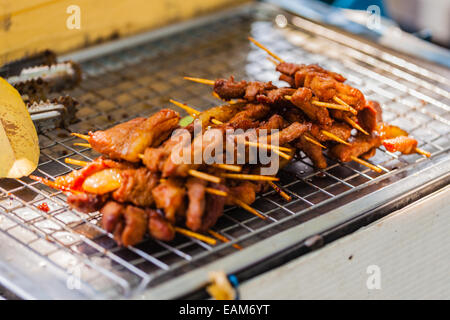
194	113
204	176
85	163
266	146
423	152
215	95
334	106
367	164
334	137
185	107
254	177
200	80
86	145
313	141
52	184
347	119
217	122
245	206
280	191
275	62
223	238
341	102
274	148
192	172
216	192
229	167
76	162
342	105
282	154
351	122
81	136
259	45
328	105
196	235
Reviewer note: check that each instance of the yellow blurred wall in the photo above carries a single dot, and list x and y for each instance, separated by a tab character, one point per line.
27	26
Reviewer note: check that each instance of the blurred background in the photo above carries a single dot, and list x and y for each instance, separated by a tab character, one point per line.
427	19
27	26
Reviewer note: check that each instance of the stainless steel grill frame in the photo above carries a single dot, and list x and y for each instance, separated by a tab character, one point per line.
64	253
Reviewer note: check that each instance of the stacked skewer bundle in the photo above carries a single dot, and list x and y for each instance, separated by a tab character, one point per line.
137	186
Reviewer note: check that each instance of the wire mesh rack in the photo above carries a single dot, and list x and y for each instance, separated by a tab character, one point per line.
138	80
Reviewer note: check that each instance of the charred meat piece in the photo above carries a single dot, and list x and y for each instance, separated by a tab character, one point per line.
256	88
222	113
370	116
86	202
169	196
358	146
213	207
244	191
276	97
245	119
339	129
324	84
249	115
313	151
290	69
312	70
128	223
136	224
136	187
302	100
325	88
288	134
404	144
350	95
158	227
155	158
289	79
112	213
128	140
229	89
274	122
293	114
196	207
369	154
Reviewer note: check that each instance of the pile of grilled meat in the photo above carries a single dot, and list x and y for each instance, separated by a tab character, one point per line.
138	188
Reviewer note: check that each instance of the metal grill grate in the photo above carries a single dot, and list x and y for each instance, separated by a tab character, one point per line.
138	80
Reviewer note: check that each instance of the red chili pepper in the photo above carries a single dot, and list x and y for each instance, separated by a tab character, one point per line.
44	207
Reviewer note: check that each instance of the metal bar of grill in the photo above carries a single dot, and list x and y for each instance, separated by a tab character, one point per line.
138	79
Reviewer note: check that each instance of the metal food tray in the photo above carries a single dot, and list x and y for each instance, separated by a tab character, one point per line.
66	254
